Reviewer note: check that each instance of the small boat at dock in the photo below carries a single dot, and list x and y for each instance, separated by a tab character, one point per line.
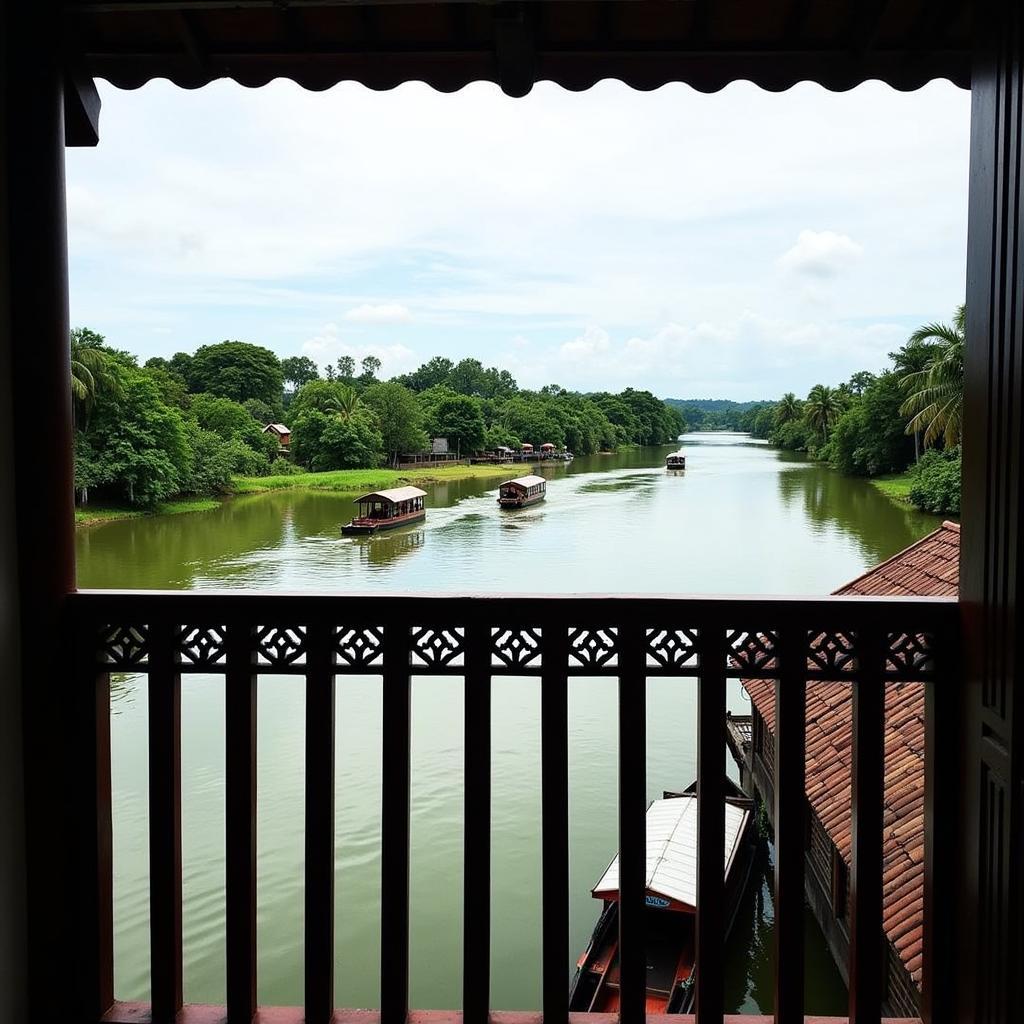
387	510
671	906
677	460
523	491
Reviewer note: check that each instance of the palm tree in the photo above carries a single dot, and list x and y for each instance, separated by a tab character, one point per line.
93	371
348	401
787	409
821	409
935	399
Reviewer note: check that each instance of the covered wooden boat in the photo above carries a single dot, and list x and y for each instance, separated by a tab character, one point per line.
523	491
387	510
677	460
671	898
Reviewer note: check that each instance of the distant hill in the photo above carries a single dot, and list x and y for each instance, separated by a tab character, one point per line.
715	413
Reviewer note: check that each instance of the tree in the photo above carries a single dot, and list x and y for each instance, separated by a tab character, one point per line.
261	413
860	382
370	365
237	370
173	389
821	409
94	372
324	442
869	437
299	370
935	398
398	416
787	409
346	367
347	401
137	445
329	372
460	419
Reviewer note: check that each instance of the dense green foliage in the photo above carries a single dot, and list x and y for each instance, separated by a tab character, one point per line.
187	425
873	425
936	482
715	413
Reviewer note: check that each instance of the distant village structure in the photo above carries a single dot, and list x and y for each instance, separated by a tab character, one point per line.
929	568
281	432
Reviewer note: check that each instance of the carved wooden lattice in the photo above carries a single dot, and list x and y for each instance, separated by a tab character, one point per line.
910	655
278	646
202	646
672	649
438	648
515	648
832	655
124	647
359	647
752	653
594	648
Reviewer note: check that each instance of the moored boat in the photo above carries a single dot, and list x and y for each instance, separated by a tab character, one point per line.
523	491
677	460
671	906
387	510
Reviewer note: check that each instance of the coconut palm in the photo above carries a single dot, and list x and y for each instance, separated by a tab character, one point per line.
935	392
93	371
787	409
348	401
821	409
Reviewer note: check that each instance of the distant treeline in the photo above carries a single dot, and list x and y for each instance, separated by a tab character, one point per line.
716	413
906	418
188	424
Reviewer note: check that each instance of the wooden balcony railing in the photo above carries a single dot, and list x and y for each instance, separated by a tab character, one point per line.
864	641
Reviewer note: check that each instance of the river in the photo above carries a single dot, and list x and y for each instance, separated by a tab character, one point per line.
743	518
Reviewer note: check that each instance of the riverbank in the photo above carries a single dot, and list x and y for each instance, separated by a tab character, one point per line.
92	514
361	480
896	487
354	481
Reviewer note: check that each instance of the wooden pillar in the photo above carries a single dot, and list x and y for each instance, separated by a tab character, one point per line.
991	833
37	288
13	919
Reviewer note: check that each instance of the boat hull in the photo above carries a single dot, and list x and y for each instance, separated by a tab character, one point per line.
369	526
521	502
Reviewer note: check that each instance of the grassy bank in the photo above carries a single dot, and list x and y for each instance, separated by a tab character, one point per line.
895	486
90	514
357	480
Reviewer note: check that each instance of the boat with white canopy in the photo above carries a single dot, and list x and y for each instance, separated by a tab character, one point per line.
671	906
387	510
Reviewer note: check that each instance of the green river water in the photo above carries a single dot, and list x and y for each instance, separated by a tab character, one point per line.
744	518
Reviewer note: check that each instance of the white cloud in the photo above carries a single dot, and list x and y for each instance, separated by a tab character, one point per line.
655	217
327	345
384	313
821	254
592	342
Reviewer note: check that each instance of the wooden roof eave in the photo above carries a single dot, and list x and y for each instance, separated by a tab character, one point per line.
573	43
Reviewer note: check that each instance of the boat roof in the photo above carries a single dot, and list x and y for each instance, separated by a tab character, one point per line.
396	494
525	481
672	849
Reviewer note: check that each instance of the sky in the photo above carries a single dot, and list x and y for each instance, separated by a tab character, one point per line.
734	245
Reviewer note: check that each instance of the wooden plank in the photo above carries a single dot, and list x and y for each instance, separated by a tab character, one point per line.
632	821
92	921
476	937
989	941
319	894
394	928
240	817
938	995
711	824
867	771
164	692
554	776
790	823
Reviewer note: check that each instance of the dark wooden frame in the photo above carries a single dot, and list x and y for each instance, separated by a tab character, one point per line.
66	787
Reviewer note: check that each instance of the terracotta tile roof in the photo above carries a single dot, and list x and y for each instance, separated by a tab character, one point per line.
928	568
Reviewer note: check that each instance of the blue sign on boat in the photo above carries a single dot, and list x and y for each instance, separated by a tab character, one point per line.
656	901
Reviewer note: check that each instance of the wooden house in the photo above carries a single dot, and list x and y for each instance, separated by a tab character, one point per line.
281	432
